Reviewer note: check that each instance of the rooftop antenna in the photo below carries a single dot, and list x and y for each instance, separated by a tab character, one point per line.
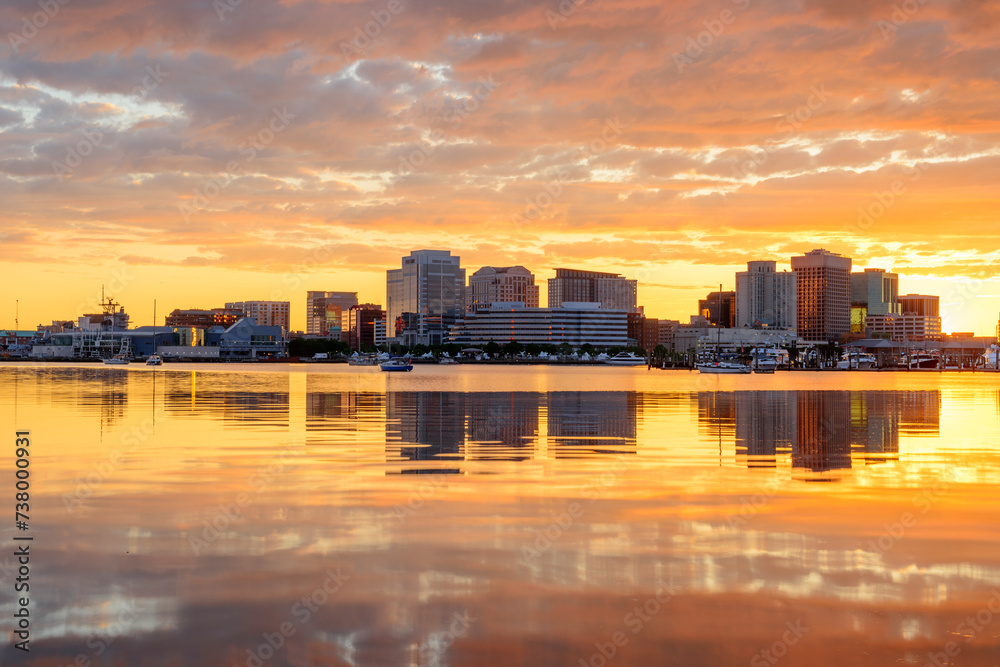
17	308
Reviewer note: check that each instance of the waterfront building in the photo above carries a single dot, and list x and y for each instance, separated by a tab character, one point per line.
920	320
327	313
709	341
379	332
766	297
115	320
719	308
649	336
823	295
574	323
362	319
247	339
424	297
267	313
668	328
203	319
613	291
491	284
873	292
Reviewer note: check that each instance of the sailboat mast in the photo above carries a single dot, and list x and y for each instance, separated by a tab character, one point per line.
718	325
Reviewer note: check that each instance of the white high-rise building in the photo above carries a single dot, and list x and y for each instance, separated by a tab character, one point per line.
765	297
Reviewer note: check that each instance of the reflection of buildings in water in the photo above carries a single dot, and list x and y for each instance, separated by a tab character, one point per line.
583	423
822	429
502	426
342	411
766	425
104	387
433	420
212	395
875	424
920	414
717	415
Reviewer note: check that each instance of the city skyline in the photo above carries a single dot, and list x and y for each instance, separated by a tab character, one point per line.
280	148
612	289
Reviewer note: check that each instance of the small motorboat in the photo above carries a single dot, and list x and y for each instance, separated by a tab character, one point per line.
154	360
723	367
117	360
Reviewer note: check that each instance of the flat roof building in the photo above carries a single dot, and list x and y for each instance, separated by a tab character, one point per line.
491	284
612	290
573	323
823	295
328	311
265	313
424	297
766	297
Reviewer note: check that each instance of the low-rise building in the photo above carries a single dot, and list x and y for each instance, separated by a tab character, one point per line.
575	323
903	327
194	317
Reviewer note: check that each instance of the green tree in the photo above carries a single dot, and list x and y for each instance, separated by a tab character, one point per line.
564	349
492	349
512	349
534	349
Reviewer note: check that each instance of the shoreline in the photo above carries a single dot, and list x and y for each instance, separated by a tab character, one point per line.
531	362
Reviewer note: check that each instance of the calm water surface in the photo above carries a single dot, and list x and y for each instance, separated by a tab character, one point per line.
328	515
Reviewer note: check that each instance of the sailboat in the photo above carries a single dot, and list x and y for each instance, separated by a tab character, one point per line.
717	366
154	359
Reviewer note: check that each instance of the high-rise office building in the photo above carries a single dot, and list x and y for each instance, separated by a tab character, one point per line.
492	284
823	295
612	290
766	297
327	312
265	313
873	292
424	297
719	308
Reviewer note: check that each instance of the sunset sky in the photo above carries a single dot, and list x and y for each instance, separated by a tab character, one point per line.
197	152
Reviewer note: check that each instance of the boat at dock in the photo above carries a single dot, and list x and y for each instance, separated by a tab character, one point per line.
768	359
727	367
857	361
117	360
154	360
922	361
625	359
